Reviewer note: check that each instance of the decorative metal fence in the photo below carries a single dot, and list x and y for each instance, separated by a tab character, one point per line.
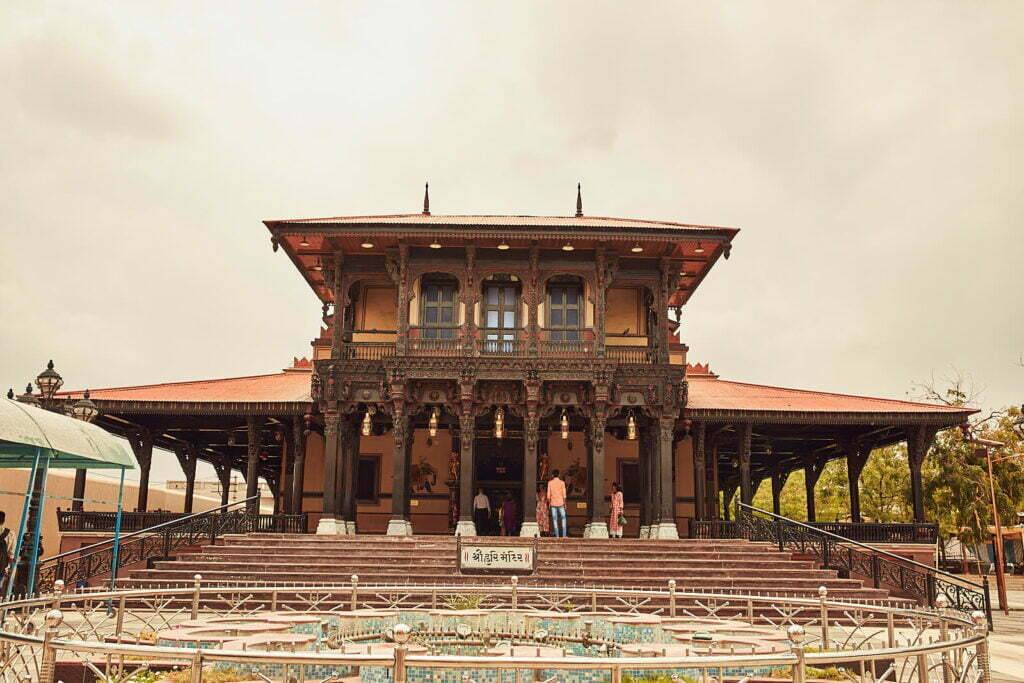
409	634
864	532
900	575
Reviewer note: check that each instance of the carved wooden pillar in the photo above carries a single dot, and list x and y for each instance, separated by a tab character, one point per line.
856	457
328	524
534	297
79	490
401	430
812	471
648	494
467	436
399	272
223	470
700	471
142	446
713	504
919	440
470	295
746	432
598	525
667	284
666	523
252	473
336	282
188	457
532	428
350	469
298	464
779	477
602	281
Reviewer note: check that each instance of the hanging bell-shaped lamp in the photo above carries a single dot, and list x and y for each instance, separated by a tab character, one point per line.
631	428
565	425
432	424
367	423
499	423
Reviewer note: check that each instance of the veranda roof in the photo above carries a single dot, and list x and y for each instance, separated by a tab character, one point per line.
71	443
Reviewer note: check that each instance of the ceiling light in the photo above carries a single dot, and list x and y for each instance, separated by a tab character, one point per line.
636	248
503	246
567	246
303	242
435	244
699	249
318	266
367	244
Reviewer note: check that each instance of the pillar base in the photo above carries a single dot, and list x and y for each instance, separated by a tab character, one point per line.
645	531
399	527
350	528
328	526
595	530
664	531
529	530
465	527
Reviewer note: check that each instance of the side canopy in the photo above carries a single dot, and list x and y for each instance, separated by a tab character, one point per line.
71	443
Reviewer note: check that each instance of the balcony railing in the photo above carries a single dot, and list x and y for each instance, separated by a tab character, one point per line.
633	355
862	532
450	342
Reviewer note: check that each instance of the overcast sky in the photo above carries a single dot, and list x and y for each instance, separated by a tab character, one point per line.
870	153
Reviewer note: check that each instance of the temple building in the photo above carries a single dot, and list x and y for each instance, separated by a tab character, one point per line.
460	353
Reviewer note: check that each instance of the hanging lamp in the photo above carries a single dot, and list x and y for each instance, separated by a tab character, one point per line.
565	425
432	424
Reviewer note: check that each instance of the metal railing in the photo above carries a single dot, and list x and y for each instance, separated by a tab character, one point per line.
103	631
900	575
89	520
78	566
864	532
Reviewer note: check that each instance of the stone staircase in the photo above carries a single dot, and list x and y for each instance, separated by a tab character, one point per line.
732	566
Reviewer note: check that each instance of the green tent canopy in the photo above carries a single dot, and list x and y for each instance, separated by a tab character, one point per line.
70	443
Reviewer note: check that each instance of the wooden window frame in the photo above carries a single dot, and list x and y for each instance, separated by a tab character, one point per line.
562	331
376	457
437	330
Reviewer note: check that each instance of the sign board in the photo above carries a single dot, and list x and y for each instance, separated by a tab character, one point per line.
484	558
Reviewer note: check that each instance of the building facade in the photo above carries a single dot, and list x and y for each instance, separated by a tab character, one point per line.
461	353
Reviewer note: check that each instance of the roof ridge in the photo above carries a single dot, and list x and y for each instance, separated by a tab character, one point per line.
835	393
432	218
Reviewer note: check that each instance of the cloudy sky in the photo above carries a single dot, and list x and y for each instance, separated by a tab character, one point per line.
870	152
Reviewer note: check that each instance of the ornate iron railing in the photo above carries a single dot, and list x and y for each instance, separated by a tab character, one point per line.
899	575
89	520
864	532
76	567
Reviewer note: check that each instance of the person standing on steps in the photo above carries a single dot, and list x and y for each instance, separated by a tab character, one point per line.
556	501
482	512
616	520
543	520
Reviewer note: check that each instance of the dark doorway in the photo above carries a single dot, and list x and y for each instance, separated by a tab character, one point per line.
498	470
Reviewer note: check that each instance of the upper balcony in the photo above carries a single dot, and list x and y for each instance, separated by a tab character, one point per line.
455	342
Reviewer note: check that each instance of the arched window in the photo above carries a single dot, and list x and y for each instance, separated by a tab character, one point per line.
564	310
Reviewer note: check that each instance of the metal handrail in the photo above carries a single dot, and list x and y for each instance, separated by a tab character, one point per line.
872	549
147	530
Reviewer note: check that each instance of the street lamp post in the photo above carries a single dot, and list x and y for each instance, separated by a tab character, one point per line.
49	383
997	544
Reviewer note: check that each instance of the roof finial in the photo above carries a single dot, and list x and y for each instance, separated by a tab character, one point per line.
579	200
426	200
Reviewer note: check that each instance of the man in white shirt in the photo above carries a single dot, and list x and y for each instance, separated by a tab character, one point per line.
481	512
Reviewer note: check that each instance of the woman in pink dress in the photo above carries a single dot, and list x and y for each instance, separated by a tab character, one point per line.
616	517
543	514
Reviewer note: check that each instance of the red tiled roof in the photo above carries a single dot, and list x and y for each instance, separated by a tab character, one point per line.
420	219
289	386
708	392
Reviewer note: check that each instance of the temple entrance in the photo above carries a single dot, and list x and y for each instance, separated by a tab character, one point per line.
498	470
